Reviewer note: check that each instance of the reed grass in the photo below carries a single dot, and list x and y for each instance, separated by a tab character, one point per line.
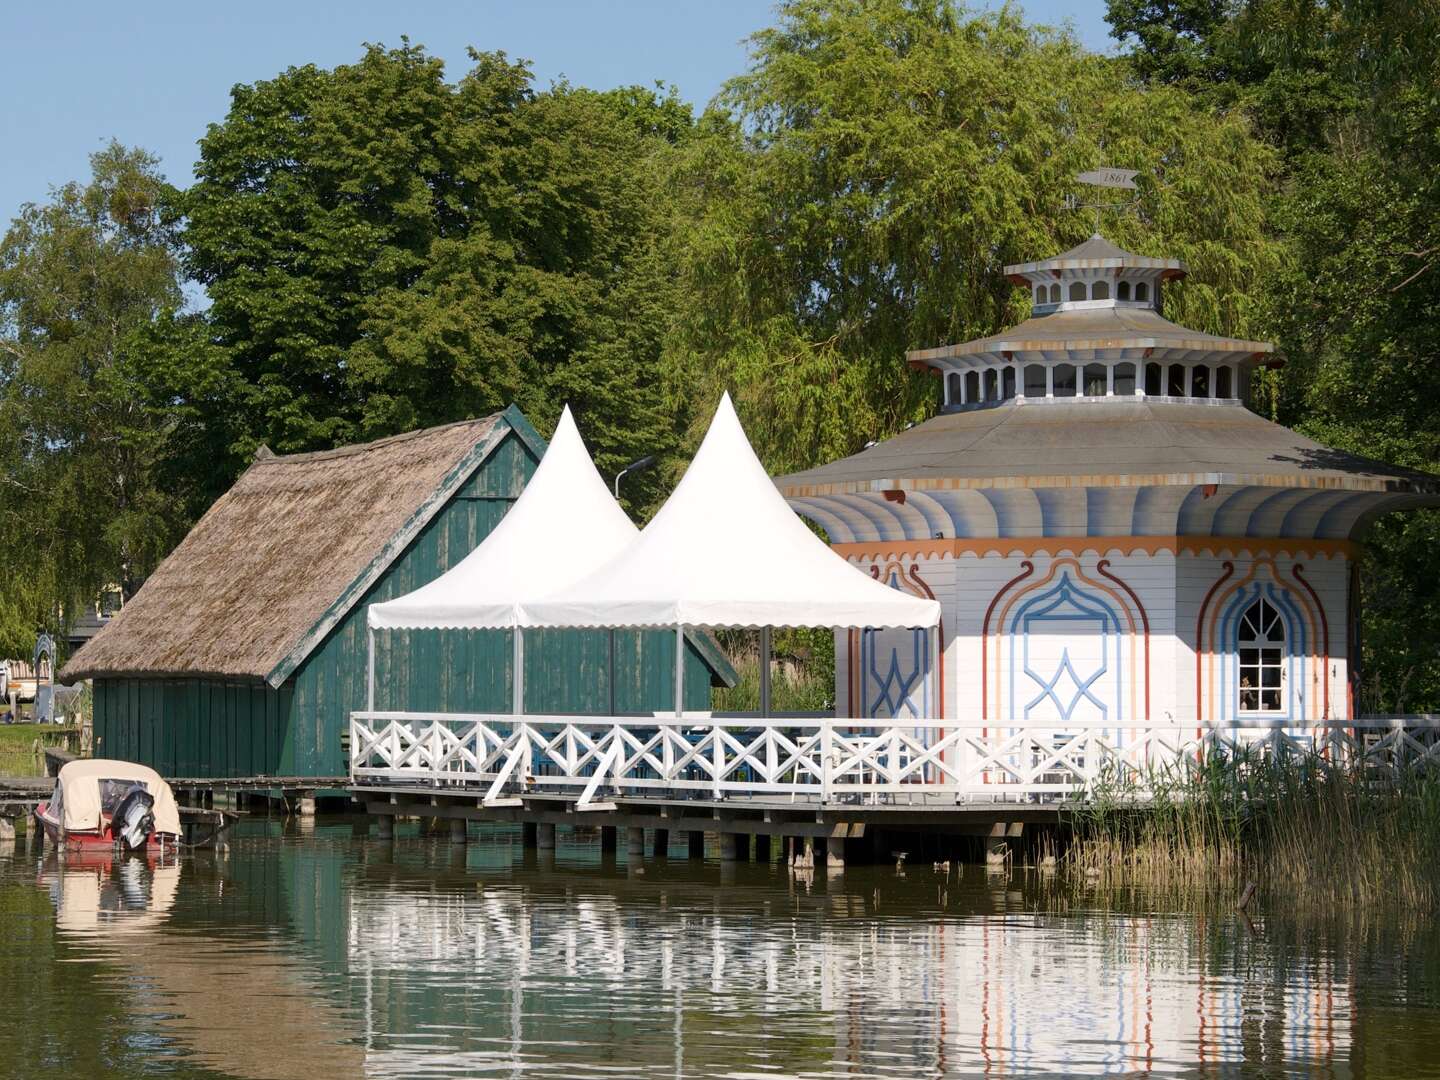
804	691
1304	830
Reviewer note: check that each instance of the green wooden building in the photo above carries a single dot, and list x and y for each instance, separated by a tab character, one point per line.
245	652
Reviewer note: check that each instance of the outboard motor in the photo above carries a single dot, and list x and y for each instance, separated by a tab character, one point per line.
133	822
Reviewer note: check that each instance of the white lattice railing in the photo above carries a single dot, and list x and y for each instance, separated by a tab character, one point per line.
837	759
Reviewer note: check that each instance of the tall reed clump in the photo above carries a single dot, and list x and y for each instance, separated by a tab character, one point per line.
1305	830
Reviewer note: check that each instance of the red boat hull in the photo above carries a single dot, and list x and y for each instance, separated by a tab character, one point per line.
93	840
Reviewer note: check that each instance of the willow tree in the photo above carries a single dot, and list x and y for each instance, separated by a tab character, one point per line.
83	276
857	192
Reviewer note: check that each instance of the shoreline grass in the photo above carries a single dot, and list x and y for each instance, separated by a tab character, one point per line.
1307	832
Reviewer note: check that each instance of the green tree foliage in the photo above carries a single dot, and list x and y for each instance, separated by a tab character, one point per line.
858	191
83	277
1349	92
387	250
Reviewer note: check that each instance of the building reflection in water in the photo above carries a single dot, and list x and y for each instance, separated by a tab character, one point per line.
684	980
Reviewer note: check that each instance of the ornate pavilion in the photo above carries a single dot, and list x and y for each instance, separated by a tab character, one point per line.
1113	535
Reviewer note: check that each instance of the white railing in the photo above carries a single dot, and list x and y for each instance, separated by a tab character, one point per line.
840	760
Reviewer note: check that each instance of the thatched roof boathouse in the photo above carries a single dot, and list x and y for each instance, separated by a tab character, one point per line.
245	651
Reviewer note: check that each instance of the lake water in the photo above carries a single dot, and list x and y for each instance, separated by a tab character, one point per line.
324	953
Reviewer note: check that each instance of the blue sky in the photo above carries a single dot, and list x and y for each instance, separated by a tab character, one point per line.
75	73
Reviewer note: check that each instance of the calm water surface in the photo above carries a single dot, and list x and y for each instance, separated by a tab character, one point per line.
325	954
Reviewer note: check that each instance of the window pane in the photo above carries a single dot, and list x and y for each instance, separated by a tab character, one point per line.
1270	700
1175	387
1222	383
1153	375
1123	292
972	386
992	385
1124	380
1270	656
1270	676
1142	291
1094	380
1064	380
1100	291
1034	380
1009	382
1249	657
1077	290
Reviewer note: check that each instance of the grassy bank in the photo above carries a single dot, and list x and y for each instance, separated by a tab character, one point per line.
1306	832
22	747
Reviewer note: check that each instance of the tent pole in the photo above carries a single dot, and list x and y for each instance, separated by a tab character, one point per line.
517	680
679	671
612	670
370	669
765	671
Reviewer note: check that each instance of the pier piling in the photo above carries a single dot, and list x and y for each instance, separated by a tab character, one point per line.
697	844
662	843
545	836
635	841
529	834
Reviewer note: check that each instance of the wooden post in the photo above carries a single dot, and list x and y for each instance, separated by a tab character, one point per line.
545	836
762	848
7	830
529	834
305	805
662	843
728	847
608	838
697	844
635	841
835	852
385	826
458	833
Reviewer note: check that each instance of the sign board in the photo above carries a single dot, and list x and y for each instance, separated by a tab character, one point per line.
1111	178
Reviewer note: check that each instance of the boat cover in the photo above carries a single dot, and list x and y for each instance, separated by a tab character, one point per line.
79	792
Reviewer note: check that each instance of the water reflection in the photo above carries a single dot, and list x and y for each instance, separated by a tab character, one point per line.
759	980
328	955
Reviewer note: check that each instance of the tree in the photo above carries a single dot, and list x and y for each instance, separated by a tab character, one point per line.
386	250
1349	92
82	277
858	192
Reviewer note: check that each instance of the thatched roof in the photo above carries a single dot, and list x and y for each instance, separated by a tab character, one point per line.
282	555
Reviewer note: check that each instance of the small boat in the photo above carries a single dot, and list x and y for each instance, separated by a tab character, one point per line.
101	804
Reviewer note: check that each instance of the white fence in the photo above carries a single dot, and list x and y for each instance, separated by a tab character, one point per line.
838	760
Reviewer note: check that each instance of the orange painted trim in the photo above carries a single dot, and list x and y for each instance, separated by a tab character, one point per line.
1216	546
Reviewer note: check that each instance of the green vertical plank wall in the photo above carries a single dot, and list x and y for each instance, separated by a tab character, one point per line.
213	728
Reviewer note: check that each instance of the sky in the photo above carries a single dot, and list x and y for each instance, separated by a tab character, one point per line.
76	73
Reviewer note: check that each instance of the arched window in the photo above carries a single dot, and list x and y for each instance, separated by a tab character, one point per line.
1224	387
972	387
1123	292
1175	383
1008	382
1260	642
1064	380
1200	382
1054	294
953	381
1124	380
992	385
1039	294
1142	291
1034	380
1094	380
1154	376
1100	290
1077	290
